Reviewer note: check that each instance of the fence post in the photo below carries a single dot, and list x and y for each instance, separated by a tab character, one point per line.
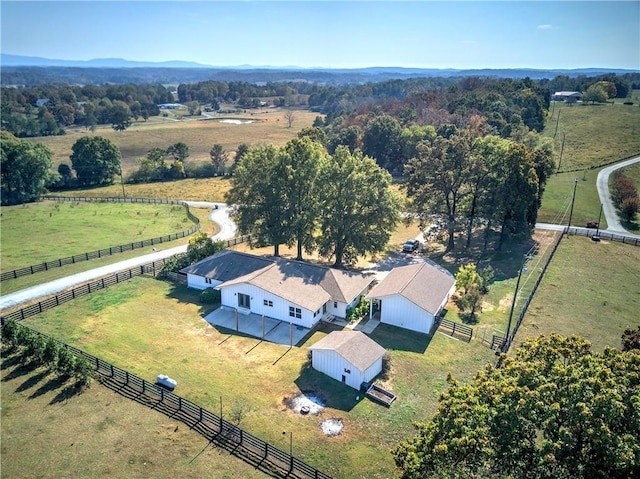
126	376
111	367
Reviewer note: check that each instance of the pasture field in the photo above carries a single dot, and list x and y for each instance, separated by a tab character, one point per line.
98	434
148	326
590	289
269	127
594	135
191	189
19	223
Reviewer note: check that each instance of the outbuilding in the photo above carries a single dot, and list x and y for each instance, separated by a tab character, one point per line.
412	296
350	357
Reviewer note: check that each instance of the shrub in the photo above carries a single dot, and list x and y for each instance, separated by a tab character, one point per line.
210	296
174	264
200	170
361	310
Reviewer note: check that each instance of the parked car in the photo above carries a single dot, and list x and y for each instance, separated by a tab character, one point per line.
411	245
166	381
592	224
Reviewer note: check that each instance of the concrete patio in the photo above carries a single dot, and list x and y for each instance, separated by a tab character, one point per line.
263	327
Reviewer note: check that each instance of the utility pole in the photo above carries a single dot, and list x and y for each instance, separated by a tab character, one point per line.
561	152
573	198
505	346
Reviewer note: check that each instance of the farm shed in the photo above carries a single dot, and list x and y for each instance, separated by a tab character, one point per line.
412	296
295	291
567	96
223	266
350	357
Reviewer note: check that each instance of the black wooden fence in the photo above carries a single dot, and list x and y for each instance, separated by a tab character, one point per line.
213	427
57	263
626	239
456	330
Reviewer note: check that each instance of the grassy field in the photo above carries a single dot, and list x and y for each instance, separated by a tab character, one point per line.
594	135
590	289
269	127
148	326
205	189
97	434
11	239
59	229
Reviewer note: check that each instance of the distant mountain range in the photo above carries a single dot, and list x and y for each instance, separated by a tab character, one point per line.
26	70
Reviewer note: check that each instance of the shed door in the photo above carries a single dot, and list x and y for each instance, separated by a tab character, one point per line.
244	301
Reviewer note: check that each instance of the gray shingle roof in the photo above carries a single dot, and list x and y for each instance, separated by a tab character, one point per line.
227	265
423	284
305	284
354	346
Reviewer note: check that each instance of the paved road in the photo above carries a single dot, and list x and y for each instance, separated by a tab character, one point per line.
608	209
220	215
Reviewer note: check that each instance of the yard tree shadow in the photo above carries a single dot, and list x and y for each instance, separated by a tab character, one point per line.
183	294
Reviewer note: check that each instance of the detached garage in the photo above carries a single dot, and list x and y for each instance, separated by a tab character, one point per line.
412	296
350	357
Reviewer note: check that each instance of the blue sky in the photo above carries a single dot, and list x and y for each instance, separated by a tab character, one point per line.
339	34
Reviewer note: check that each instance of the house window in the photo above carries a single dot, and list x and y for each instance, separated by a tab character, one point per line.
295	312
207	280
267	303
244	301
335	304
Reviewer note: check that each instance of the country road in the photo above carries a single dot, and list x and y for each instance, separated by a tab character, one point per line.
608	208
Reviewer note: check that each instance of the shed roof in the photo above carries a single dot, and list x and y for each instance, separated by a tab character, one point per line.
354	346
424	284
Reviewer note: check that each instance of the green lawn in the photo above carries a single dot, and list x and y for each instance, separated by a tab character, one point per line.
591	289
594	135
148	326
49	433
37	232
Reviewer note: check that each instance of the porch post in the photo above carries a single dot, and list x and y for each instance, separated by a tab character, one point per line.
371	308
237	329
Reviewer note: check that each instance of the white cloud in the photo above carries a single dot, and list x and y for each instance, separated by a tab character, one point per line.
546	26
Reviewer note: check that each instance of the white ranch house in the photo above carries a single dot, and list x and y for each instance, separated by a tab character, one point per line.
350	357
567	96
286	290
412	296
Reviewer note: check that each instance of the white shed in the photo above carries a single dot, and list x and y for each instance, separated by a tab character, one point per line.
412	296
350	357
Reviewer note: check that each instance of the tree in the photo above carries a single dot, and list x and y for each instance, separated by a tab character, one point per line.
289	116
358	211
120	116
96	160
471	284
299	166
179	151
201	247
629	207
594	94
381	141
437	179
258	195
241	150
25	169
194	108
219	157
65	173
554	409
631	339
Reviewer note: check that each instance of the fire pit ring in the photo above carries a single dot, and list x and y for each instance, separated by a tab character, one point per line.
305	410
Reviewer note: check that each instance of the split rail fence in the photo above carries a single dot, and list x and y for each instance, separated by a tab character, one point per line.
57	263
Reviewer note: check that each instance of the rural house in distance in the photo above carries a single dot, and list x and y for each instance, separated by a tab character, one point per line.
412	296
287	290
350	357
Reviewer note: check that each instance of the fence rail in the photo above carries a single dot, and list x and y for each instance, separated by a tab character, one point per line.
456	330
57	263
210	425
590	233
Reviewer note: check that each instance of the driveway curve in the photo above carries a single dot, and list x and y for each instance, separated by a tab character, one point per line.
219	214
608	208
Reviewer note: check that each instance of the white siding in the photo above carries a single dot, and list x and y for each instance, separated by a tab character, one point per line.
200	282
335	366
278	310
399	311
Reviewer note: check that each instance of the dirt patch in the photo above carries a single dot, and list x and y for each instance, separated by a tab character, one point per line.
332	427
308	402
